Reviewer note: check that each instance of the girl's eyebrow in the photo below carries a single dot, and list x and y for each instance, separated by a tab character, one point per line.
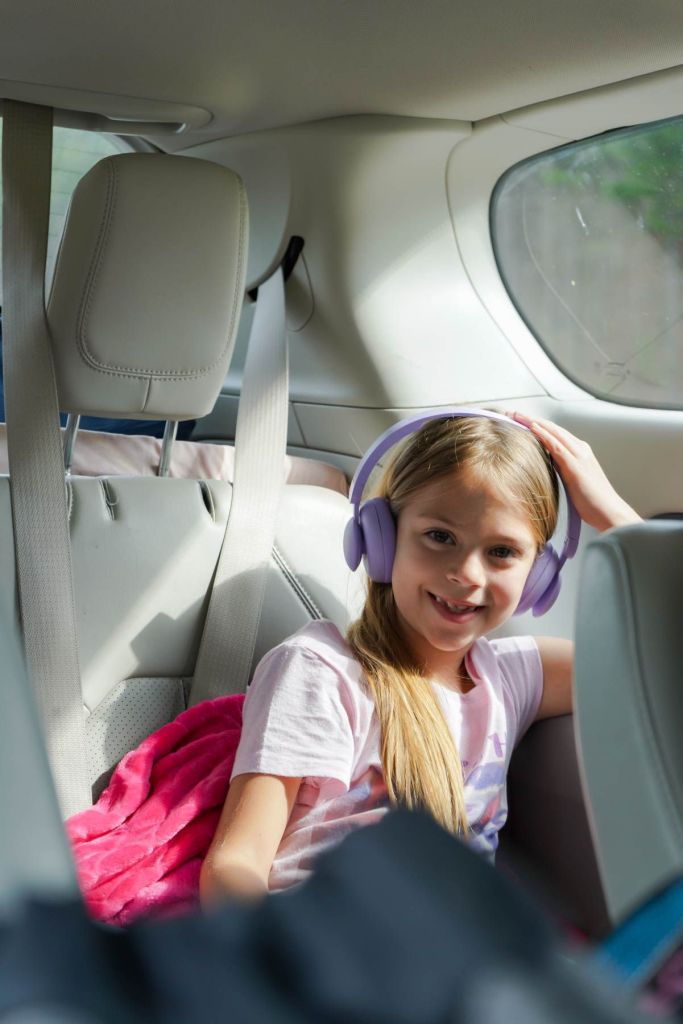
436	517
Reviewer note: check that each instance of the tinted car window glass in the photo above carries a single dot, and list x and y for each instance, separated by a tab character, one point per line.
589	242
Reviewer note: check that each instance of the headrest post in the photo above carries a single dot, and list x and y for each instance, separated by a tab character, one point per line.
72	424
170	431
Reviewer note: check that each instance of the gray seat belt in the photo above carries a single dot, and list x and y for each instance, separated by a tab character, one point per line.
39	501
232	620
35	859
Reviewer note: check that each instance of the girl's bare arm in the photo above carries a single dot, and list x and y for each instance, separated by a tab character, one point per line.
249	832
557	657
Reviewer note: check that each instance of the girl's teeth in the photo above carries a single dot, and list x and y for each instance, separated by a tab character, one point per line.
456	608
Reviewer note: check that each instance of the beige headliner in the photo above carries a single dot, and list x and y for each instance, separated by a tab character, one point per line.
257	64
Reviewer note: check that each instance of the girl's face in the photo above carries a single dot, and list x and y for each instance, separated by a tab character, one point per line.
463	554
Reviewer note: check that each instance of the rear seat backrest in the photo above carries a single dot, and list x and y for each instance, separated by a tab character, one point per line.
144	553
142	315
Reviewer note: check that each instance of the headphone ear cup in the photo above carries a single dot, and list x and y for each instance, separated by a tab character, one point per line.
379	539
542	585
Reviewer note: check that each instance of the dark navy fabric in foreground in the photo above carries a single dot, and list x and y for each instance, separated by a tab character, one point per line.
401	923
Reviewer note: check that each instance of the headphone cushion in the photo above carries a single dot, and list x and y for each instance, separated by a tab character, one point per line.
379	538
543	583
549	597
353	544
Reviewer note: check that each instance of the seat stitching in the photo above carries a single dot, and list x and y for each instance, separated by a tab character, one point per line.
296	584
119	371
96	262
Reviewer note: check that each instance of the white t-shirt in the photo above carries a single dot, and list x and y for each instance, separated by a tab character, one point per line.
308	713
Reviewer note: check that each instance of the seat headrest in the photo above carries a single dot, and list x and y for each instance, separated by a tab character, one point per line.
148	287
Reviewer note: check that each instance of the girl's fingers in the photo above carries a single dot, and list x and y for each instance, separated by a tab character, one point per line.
550	430
553	445
592	494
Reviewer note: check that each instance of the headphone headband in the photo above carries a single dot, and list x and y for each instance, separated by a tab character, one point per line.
395	433
399	430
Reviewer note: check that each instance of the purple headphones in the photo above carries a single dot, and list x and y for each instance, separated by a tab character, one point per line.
371	532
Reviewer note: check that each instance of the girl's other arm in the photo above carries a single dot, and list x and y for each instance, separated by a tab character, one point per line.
249	833
557	657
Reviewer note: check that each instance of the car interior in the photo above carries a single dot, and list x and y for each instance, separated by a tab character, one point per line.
291	226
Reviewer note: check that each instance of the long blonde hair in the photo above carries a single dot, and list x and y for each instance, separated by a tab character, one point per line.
420	760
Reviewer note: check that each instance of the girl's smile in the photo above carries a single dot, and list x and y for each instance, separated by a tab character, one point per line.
455	612
463	553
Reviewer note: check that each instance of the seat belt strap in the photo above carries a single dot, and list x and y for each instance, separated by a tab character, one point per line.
39	501
227	645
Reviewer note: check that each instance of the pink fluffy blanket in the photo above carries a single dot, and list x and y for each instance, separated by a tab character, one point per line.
140	848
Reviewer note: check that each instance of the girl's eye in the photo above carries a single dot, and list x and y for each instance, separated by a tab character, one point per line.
502	552
440	536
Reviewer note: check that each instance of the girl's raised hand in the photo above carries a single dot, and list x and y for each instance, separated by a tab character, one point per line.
593	496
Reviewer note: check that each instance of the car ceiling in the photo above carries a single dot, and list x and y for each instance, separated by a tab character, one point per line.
247	65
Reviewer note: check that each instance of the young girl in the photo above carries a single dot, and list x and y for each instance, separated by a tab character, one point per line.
414	706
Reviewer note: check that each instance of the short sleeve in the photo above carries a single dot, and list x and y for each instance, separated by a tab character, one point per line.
297	718
521	671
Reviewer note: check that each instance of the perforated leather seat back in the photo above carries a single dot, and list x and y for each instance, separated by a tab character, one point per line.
144	558
144	553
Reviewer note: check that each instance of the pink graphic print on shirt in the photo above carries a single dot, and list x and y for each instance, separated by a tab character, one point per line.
485	796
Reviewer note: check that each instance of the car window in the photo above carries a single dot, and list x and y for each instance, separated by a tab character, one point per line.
589	242
73	154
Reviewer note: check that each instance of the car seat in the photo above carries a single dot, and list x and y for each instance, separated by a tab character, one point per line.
629	708
134	281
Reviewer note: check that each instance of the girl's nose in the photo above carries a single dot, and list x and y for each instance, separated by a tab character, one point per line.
467	569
